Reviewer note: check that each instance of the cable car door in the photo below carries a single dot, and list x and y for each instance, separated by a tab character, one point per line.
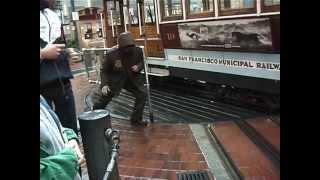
148	24
114	21
129	12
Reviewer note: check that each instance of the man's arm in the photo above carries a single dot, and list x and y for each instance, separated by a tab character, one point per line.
51	51
140	65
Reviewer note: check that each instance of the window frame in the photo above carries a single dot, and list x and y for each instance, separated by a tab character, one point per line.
231	12
154	10
272	8
129	6
108	14
170	18
201	14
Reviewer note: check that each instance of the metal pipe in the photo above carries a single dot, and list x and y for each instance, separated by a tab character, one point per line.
158	9
93	125
112	164
128	13
103	33
148	86
125	19
184	13
139	19
157	15
216	9
111	15
258	7
145	55
113	136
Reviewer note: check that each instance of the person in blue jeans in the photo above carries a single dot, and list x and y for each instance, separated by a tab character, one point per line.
55	72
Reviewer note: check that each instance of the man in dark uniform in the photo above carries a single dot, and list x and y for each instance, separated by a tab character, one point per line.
121	69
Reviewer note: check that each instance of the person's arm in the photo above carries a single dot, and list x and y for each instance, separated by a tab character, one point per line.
51	51
140	65
73	142
63	165
70	134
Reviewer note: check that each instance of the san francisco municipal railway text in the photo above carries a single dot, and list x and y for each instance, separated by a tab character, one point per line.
231	62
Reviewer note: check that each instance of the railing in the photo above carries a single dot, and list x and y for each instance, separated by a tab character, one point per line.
93	58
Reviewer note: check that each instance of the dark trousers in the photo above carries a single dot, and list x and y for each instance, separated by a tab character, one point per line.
64	104
139	92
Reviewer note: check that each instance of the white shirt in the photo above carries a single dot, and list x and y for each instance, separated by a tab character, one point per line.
50	26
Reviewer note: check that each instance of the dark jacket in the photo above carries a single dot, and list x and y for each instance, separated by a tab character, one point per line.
51	70
116	69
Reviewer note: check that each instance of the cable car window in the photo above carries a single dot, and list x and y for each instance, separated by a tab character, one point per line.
149	11
233	7
114	10
200	6
271	2
88	31
133	11
88	28
236	4
171	9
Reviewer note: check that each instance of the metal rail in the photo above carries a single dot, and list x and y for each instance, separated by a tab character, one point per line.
228	163
113	136
260	141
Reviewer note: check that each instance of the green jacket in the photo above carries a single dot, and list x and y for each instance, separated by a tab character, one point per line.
62	166
57	162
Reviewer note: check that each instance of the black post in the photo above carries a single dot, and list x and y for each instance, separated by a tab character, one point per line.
93	125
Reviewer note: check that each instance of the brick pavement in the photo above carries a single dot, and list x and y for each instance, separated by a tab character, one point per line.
157	151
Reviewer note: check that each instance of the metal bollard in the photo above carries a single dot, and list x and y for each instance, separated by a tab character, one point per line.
93	125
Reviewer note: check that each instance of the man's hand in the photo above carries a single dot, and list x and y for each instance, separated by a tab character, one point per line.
135	68
52	51
105	90
74	145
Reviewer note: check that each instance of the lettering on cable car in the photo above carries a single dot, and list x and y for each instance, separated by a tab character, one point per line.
229	62
171	36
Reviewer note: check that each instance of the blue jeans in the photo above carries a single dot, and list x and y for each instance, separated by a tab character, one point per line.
64	104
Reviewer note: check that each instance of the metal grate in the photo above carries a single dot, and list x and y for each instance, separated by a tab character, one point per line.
195	175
